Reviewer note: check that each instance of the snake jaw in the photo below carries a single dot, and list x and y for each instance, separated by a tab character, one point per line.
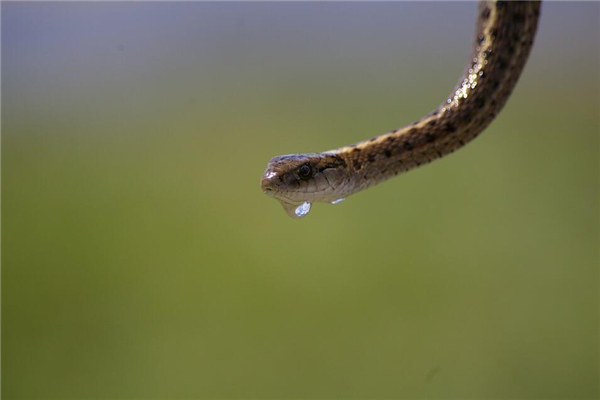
290	207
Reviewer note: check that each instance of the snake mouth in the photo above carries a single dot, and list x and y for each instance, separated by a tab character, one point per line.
279	195
293	208
283	196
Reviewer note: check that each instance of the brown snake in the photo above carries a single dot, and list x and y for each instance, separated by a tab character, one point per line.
504	36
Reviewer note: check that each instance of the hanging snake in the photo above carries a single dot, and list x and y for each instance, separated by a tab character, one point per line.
503	39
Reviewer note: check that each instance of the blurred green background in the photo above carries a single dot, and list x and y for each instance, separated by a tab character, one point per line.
141	260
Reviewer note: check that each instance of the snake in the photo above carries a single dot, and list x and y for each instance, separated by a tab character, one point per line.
504	35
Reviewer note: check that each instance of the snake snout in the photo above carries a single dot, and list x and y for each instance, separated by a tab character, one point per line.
267	183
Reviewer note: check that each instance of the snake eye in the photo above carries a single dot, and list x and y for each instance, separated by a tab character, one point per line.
304	171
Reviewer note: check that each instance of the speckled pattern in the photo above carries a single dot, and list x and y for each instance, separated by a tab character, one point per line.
504	35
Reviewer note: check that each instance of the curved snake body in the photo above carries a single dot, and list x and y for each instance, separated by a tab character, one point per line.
504	36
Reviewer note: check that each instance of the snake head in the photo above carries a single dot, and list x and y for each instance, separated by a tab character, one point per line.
296	179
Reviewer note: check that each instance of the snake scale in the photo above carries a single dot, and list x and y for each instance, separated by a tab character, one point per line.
503	39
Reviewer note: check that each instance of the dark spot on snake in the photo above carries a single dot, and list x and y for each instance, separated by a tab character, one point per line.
516	37
462	142
371	158
494	33
408	146
502	63
388	153
439	153
485	13
331	165
450	127
418	163
479	102
466	116
412	131
518	17
383	171
494	85
341	161
480	38
356	149
429	137
357	165
390	139
373	139
431	124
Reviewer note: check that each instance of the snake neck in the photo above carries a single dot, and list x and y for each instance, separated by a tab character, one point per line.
504	37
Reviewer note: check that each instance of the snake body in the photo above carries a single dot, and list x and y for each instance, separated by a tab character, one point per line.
504	35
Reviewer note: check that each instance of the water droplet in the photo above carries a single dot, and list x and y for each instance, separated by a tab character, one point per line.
338	200
302	209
